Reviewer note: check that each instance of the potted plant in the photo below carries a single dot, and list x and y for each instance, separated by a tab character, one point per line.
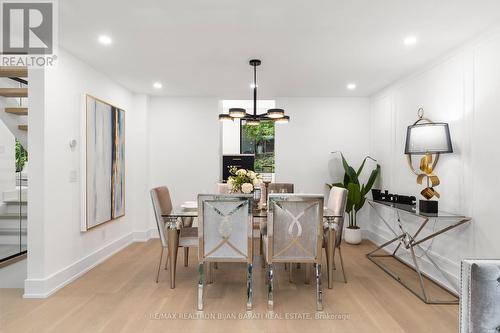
242	180
356	196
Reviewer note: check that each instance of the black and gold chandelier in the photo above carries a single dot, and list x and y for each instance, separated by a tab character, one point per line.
276	115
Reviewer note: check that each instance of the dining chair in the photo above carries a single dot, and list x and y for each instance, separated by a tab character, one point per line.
294	234
225	235
223	188
188	236
272	188
280	187
479	296
337	202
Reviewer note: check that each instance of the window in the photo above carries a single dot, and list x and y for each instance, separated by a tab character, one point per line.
259	140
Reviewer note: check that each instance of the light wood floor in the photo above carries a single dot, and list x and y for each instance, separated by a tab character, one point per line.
121	295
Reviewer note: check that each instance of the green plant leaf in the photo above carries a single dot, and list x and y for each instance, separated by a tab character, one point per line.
353	196
363	164
371	180
349	170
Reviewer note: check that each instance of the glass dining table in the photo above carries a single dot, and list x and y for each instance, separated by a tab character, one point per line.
174	222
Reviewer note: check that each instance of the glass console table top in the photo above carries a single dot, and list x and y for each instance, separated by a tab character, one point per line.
414	210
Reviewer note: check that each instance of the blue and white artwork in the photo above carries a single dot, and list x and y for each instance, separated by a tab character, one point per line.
105	162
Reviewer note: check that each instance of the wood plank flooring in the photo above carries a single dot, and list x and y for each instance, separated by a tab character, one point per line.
120	295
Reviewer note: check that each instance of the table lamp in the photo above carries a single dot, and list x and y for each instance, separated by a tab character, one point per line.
429	139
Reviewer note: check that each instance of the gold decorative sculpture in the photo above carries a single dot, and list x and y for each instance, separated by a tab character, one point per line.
427	138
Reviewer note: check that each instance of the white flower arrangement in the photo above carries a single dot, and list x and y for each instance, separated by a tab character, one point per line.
242	180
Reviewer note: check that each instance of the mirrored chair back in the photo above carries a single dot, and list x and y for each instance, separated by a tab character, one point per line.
337	202
225	227
162	204
295	228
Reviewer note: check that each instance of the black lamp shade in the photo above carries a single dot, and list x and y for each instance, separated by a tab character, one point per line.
431	138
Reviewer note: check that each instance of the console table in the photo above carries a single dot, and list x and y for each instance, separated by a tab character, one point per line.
410	241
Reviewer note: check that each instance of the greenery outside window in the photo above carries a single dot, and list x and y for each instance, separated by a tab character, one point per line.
259	140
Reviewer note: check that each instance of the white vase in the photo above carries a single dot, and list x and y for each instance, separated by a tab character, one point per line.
352	236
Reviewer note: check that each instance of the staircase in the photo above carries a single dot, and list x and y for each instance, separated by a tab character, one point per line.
13	101
13	199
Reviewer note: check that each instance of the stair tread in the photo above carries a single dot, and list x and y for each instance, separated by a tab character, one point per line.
16	201
22	127
13	71
11	216
14	92
18	111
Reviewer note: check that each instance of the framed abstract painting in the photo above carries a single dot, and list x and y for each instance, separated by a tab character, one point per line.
105	162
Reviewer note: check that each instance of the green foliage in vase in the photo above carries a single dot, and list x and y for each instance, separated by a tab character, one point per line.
21	156
242	180
357	192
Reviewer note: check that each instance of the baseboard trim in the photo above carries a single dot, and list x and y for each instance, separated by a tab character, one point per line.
145	235
43	288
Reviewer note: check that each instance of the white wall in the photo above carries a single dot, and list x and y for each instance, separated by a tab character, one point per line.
318	127
184	145
57	250
461	89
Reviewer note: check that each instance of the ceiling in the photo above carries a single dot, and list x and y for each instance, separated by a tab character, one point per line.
308	48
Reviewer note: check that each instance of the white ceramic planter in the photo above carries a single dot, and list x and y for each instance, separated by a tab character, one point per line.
352	236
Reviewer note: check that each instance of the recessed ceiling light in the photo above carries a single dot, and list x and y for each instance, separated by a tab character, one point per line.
351	86
410	40
105	40
157	85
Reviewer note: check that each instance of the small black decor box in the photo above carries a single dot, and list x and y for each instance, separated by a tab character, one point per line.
428	206
385	196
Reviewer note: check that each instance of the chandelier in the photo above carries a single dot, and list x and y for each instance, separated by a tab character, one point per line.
276	115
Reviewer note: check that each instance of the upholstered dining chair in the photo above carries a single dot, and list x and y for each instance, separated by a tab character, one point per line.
480	296
224	235
280	188
337	202
188	236
271	188
294	234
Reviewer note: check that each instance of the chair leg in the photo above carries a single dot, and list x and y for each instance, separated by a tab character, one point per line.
319	291
173	246
270	277
210	273
290	272
201	279
167	261
186	256
333	259
330	257
342	265
308	273
159	265
249	287
261	249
